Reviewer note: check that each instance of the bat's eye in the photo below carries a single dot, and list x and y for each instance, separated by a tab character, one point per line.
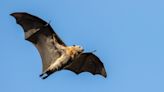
79	52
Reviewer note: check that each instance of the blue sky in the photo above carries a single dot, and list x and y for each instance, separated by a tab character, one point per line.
127	34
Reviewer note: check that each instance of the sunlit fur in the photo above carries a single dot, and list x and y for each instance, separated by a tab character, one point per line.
74	51
69	52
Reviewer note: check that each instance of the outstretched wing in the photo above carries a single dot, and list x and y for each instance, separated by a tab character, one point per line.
87	62
41	35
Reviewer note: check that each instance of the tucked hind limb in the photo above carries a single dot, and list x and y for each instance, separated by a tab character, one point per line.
46	74
59	62
63	59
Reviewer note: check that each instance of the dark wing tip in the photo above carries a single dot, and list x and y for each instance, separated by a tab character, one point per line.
17	14
103	72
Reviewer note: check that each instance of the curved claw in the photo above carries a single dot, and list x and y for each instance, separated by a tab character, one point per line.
44	77
41	75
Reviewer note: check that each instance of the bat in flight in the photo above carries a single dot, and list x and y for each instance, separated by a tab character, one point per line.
55	54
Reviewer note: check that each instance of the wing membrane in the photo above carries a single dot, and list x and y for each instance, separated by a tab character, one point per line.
87	62
41	35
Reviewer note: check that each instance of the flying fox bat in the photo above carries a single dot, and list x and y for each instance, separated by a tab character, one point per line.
55	54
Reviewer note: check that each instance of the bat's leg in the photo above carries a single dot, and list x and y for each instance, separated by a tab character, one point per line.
46	74
41	74
50	72
44	77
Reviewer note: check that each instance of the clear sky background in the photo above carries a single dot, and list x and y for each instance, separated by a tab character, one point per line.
127	34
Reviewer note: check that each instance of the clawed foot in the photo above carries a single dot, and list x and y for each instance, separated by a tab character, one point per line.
41	75
44	75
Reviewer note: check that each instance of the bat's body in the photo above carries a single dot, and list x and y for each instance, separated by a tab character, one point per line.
68	53
53	51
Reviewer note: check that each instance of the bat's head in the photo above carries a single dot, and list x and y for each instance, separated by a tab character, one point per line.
76	50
